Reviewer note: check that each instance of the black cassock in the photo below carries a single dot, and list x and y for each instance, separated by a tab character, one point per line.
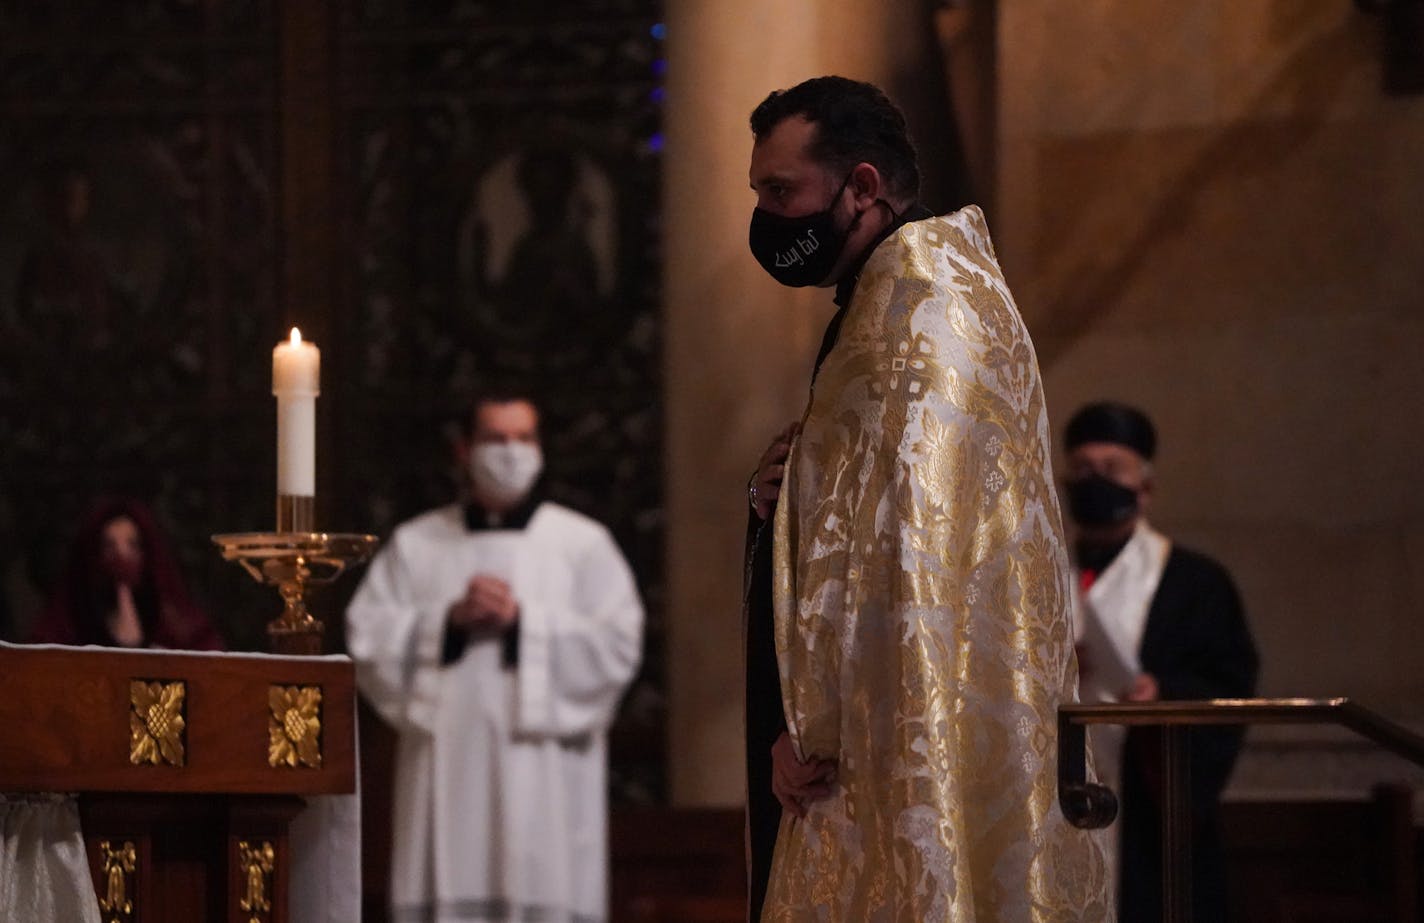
1197	645
765	718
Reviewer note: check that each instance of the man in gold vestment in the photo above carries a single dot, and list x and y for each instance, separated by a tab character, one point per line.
908	589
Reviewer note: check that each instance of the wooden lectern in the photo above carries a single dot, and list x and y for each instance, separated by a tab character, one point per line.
189	768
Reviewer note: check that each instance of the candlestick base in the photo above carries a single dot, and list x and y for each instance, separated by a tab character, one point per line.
293	562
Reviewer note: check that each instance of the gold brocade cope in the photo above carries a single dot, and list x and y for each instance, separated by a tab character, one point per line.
922	622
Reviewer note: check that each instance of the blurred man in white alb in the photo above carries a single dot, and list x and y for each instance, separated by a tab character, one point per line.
497	637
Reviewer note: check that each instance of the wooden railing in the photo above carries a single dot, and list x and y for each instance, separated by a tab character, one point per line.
1089	805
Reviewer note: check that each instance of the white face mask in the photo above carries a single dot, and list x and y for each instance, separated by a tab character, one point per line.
505	472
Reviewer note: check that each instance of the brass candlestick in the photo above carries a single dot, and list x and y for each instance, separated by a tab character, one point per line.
292	561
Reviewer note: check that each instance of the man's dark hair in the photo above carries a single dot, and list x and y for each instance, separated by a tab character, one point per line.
855	123
502	392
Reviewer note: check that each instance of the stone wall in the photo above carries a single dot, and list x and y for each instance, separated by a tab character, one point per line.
1212	210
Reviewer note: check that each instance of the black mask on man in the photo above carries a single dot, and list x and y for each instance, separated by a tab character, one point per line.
798	251
1097	501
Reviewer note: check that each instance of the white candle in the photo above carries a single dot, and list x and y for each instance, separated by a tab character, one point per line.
296	381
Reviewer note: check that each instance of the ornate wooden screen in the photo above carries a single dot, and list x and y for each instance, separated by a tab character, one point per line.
438	193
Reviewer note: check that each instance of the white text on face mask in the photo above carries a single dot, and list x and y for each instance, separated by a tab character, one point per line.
794	255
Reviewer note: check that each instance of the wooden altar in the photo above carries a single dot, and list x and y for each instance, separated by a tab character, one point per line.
189	768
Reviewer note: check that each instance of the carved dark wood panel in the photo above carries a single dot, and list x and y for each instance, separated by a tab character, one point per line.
438	192
498	184
137	256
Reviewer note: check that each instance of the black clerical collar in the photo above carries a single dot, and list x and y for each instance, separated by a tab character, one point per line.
845	288
479	519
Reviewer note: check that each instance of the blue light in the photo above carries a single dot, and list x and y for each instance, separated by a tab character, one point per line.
657	95
660	67
659	31
655	143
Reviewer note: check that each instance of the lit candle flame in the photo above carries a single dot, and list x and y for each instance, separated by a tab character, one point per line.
296	337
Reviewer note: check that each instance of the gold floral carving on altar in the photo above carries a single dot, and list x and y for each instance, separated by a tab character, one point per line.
294	726
257	864
156	722
118	865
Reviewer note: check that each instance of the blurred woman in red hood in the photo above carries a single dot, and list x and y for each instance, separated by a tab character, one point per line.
121	588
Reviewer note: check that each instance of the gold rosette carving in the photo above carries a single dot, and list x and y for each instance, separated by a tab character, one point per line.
294	726
156	723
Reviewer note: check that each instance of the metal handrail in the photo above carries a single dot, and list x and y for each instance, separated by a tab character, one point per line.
1089	805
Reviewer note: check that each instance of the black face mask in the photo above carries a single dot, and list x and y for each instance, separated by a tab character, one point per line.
1097	501
798	251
